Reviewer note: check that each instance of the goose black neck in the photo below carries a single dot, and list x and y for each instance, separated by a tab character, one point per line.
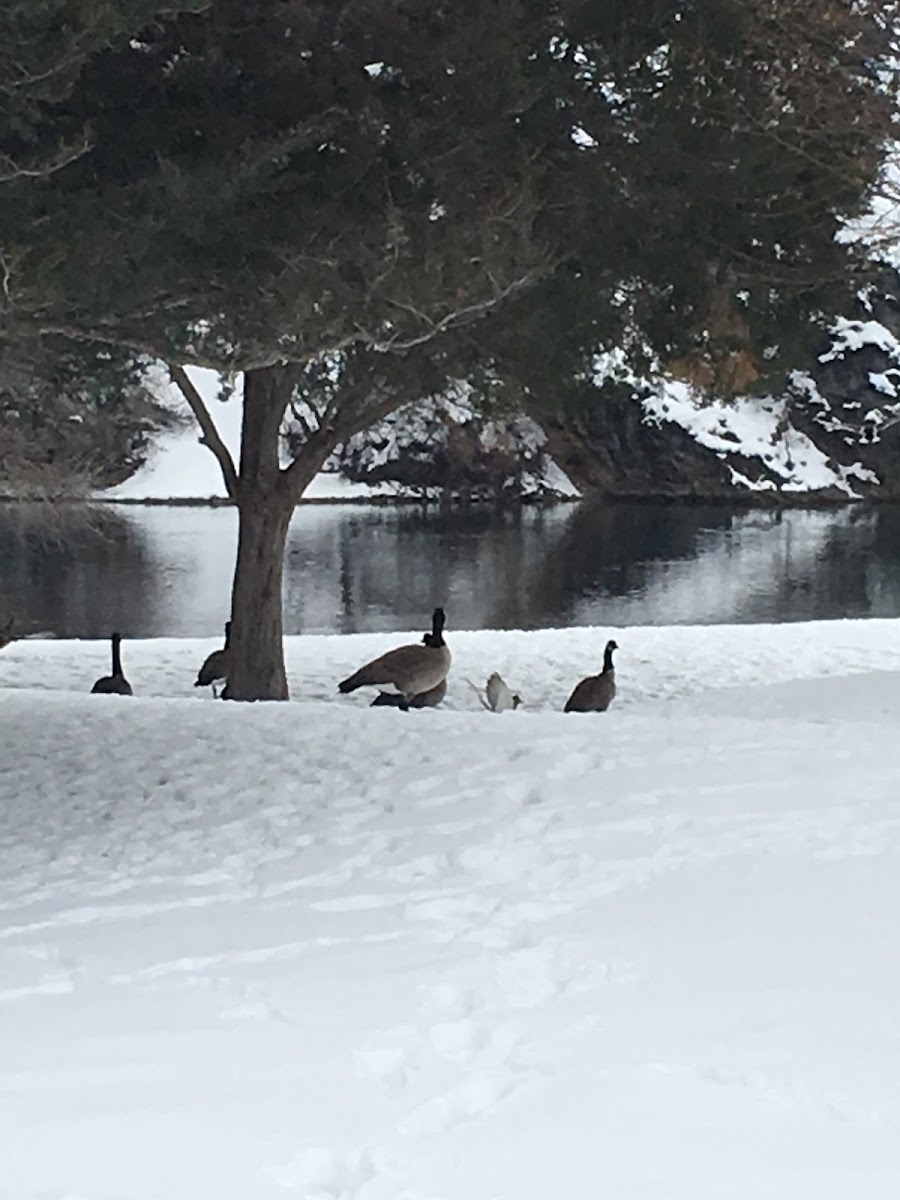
437	628
607	658
116	658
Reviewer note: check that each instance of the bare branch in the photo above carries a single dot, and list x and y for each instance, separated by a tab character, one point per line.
452	320
297	475
211	438
10	169
127	341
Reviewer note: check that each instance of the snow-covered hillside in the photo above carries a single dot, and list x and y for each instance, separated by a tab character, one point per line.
319	951
179	467
758	429
801	442
824	436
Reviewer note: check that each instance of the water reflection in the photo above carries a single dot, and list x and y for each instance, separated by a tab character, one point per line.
167	571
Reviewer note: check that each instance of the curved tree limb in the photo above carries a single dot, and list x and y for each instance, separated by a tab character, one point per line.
211	437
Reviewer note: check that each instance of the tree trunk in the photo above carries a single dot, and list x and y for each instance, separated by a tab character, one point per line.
266	497
257	669
265	508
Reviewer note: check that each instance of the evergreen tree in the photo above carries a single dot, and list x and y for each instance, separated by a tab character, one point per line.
353	204
72	418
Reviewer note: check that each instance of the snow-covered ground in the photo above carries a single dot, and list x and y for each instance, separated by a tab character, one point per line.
319	951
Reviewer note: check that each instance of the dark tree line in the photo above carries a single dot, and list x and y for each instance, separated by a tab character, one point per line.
356	203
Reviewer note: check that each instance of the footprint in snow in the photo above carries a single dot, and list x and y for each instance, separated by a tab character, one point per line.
386	1066
467	1101
321	1173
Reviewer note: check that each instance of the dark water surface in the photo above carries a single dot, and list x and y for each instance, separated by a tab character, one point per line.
155	572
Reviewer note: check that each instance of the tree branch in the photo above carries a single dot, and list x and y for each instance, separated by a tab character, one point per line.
340	422
452	320
211	438
127	341
11	169
298	474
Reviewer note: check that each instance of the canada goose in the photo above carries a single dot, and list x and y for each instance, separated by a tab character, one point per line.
595	694
116	683
409	670
497	696
429	699
215	668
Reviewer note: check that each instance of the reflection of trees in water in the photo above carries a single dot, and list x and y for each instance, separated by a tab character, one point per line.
384	568
652	563
824	578
73	570
167	571
614	550
637	562
391	566
883	562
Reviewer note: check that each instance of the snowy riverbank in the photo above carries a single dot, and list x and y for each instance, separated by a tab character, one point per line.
317	951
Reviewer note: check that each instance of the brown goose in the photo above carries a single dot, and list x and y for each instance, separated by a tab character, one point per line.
596	693
429	699
408	670
115	684
215	668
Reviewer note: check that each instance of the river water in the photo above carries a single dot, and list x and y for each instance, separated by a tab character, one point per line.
153	572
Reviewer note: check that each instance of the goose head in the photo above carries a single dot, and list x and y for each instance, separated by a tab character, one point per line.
435	639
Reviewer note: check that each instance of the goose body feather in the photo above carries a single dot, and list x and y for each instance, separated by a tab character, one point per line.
429	699
407	670
596	692
114	684
217	665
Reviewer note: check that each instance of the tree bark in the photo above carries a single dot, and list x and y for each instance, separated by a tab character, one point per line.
266	496
265	508
257	670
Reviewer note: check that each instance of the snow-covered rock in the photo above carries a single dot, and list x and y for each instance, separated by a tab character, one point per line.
446	448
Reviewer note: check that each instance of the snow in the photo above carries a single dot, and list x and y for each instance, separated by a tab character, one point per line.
885	381
180	467
417	430
853	335
320	951
879	228
754	427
